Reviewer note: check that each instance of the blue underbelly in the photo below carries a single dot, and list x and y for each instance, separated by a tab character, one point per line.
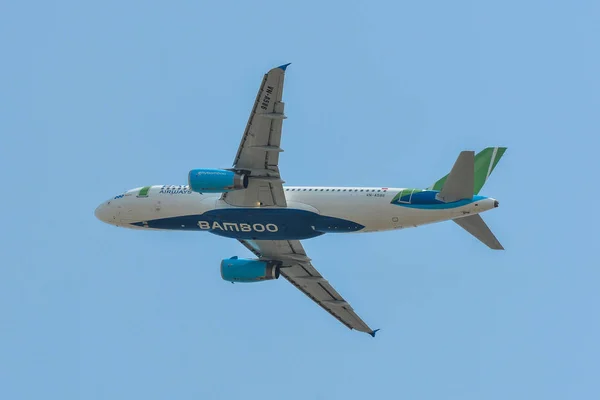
258	224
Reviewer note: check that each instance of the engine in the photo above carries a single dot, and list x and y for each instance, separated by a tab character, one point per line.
244	270
216	181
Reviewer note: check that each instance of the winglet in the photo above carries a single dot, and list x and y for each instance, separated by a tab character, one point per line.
283	67
374	332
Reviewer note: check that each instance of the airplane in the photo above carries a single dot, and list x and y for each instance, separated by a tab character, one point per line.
249	202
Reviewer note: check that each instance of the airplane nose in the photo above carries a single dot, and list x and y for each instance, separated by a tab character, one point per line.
98	212
102	213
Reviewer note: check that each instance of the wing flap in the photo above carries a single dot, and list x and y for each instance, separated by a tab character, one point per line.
258	152
299	271
262	137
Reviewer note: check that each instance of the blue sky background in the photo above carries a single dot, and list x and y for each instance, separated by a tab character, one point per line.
96	98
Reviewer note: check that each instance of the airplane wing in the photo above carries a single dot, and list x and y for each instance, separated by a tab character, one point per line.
258	154
298	269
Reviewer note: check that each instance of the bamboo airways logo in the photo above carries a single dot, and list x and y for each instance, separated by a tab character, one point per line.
235	227
173	189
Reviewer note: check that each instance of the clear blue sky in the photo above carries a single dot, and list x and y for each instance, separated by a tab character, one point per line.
99	98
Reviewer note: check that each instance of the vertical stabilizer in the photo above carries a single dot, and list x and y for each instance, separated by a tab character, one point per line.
485	162
459	184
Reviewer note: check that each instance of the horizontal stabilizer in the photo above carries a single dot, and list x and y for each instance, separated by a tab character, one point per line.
475	225
459	184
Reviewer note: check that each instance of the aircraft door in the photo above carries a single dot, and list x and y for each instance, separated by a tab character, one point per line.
406	196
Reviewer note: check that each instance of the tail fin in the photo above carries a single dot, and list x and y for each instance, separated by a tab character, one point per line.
459	182
467	177
475	225
485	162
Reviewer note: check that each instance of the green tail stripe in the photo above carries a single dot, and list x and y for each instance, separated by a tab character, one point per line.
485	162
439	184
501	151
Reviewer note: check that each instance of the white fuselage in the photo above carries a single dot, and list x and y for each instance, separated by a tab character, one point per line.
310	212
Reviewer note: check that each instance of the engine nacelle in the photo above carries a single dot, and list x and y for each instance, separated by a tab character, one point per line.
244	270
216	181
